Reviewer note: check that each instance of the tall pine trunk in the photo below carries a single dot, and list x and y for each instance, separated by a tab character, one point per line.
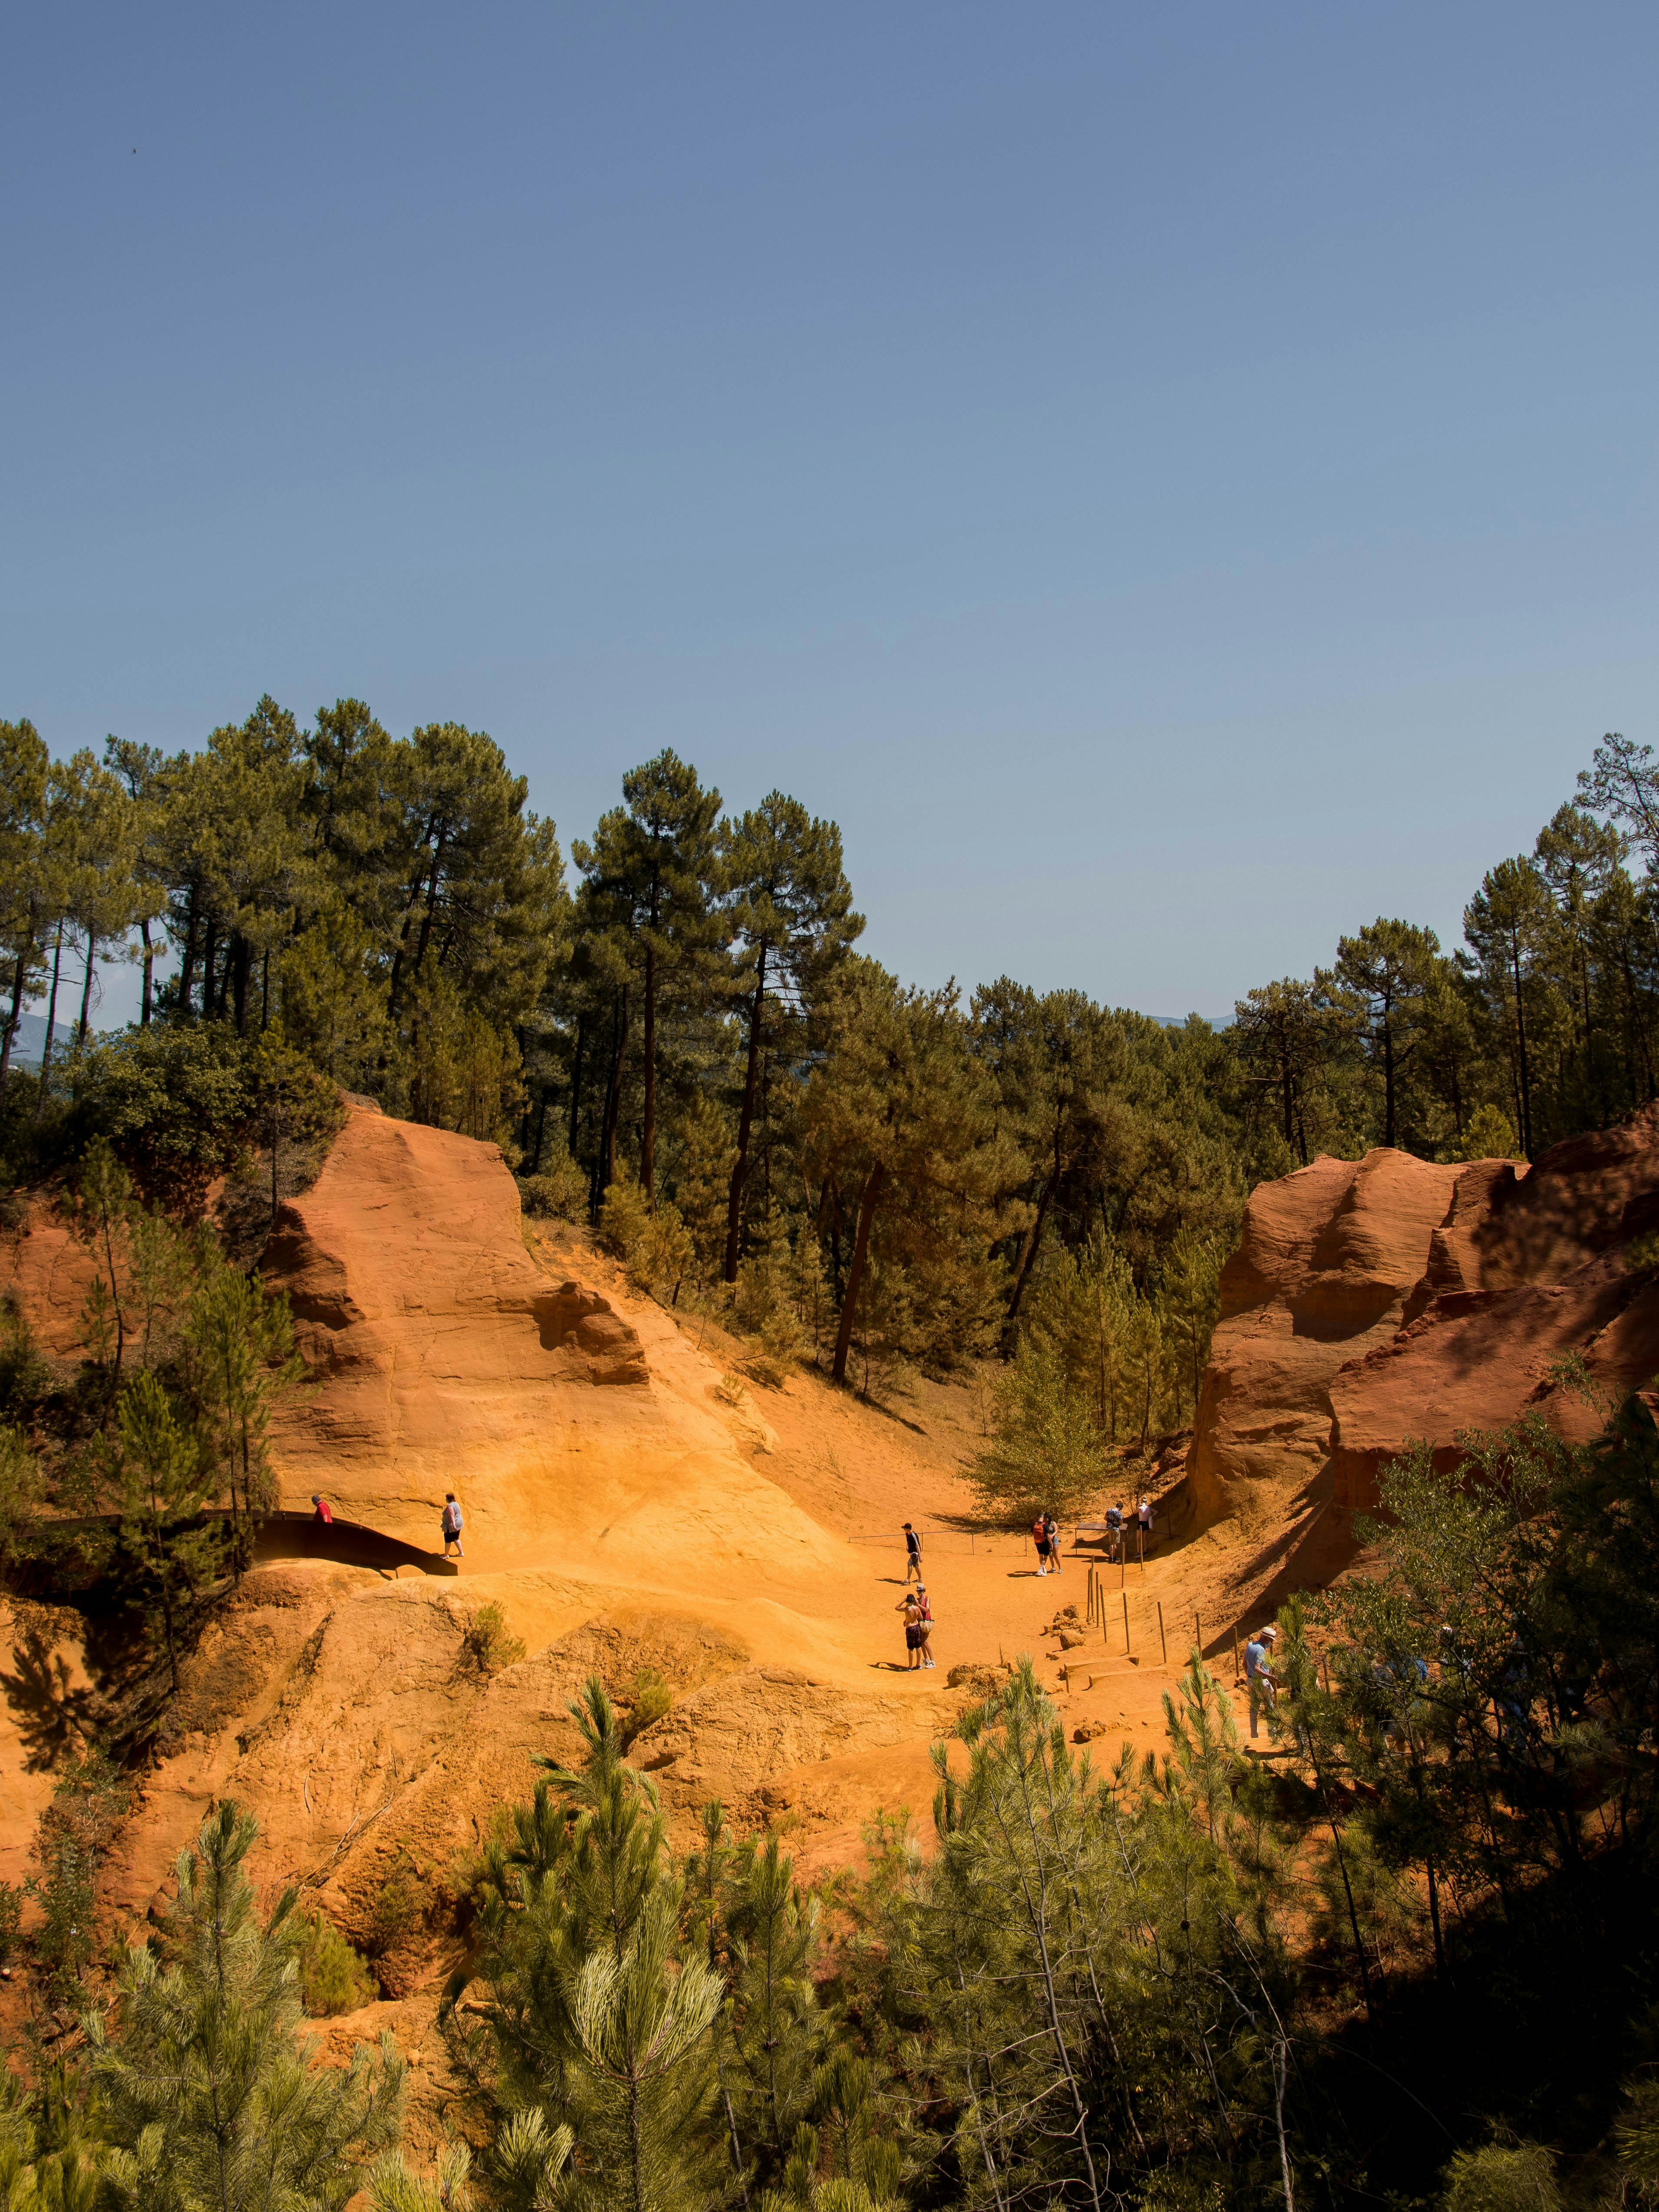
187	961
19	977
873	1189
84	1018
576	1084
1521	1040
51	1021
613	1092
145	1002
649	1135
746	1121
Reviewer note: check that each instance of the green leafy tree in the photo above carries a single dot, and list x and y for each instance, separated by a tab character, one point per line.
209	2092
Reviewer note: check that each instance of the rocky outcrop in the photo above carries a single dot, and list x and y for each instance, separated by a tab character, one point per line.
1374	1302
1328	1260
1526	1269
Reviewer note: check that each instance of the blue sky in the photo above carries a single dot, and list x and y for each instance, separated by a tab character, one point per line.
1174	482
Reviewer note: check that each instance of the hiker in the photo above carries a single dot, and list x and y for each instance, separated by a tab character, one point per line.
325	1512
1114	1531
1144	1514
913	1630
924	1606
1040	1539
912	1554
1052	1526
1259	1675
452	1524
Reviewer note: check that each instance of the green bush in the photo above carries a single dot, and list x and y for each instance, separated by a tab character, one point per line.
25	1378
396	1912
12	1914
182	1105
656	1248
333	1978
1502	2178
489	1642
650	1700
557	1192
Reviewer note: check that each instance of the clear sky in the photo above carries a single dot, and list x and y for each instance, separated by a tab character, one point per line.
1173	481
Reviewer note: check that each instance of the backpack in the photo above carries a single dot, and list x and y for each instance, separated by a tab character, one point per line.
1040	1529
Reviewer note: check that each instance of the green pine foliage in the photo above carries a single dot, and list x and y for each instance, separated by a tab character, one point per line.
208	2095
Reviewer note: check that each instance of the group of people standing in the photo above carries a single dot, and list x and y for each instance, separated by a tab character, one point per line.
915	1606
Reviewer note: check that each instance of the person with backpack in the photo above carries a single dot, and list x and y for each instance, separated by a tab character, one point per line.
1040	1539
1114	1533
450	1523
1052	1528
912	1553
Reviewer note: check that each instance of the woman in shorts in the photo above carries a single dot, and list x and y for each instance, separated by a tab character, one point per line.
926	1608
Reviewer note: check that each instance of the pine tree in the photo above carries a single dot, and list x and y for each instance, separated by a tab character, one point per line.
791	911
775	2030
165	1490
600	2022
209	2091
1045	1452
654	873
900	1120
24	892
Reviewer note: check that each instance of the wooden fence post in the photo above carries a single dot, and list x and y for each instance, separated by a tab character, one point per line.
1126	1623
1163	1643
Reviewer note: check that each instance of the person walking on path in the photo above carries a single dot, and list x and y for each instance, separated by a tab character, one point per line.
1040	1539
925	1607
913	1633
1144	1514
1259	1675
325	1512
912	1554
1052	1526
1114	1533
452	1525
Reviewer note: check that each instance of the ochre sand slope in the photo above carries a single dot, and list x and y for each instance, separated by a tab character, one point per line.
622	1511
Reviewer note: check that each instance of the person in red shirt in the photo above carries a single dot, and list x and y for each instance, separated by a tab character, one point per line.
325	1512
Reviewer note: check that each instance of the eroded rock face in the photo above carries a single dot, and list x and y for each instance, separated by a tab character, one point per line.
1526	1269
1328	1259
1372	1303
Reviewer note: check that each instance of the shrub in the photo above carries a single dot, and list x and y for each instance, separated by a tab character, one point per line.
11	1914
557	1192
333	1978
175	1102
395	1913
489	1642
1502	2178
25	1378
1489	1136
651	1700
656	1248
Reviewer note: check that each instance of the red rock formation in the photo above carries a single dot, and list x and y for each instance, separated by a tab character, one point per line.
1326	1261
1525	1270
1372	1304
